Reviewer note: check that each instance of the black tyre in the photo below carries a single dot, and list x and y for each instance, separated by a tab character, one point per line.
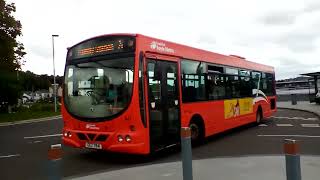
259	116
197	133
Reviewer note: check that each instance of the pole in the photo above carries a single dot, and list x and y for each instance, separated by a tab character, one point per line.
293	168
54	76
54	157
186	153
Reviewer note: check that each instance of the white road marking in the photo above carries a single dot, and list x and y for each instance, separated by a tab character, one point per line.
167	174
284	125
35	142
287	135
263	125
55	146
310	125
295	118
8	156
312	119
43	136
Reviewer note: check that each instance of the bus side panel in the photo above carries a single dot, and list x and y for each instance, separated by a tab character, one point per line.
268	108
213	115
210	112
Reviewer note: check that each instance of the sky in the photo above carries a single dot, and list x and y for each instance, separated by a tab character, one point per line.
283	34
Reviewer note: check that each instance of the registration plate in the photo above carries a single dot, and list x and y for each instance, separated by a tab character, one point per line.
93	146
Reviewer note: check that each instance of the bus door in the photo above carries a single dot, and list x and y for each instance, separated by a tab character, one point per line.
163	103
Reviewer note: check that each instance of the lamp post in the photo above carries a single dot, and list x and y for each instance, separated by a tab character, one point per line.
54	75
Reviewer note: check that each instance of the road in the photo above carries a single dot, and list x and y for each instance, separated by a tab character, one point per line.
23	152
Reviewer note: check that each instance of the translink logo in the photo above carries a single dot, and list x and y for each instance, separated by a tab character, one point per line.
159	46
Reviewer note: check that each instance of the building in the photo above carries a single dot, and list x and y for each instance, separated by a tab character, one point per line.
59	91
301	86
315	88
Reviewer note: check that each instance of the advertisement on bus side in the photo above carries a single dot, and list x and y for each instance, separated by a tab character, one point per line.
237	107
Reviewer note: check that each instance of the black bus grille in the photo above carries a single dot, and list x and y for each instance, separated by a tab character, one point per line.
91	136
101	137
81	136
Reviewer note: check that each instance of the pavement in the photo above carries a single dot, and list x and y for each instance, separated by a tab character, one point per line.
301	105
237	168
262	167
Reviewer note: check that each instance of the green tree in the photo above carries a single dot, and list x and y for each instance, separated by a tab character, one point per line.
11	54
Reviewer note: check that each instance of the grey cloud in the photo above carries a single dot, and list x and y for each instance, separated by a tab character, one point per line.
289	67
312	7
298	41
207	39
41	50
279	18
288	17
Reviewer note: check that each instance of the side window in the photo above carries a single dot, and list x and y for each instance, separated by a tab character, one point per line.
263	83
193	80
270	83
232	71
245	87
215	86
256	77
245	84
232	86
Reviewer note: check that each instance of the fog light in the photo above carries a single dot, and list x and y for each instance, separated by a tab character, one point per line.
120	138
128	138
69	134
65	134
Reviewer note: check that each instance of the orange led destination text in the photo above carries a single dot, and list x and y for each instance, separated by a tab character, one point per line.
97	49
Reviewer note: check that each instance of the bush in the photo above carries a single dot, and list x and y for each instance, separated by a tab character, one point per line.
41	106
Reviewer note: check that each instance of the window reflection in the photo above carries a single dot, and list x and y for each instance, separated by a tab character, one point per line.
100	88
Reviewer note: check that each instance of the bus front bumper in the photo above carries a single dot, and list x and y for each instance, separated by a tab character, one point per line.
130	148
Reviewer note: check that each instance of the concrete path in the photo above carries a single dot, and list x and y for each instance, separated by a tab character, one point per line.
301	105
237	168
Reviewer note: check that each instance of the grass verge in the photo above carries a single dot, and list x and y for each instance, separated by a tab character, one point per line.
38	110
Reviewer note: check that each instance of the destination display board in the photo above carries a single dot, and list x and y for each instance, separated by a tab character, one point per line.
102	46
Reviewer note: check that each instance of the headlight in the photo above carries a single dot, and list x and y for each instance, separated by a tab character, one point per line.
120	138
128	138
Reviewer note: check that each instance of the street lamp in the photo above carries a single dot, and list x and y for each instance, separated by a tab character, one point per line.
54	75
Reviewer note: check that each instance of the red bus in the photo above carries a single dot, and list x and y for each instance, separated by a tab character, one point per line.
131	93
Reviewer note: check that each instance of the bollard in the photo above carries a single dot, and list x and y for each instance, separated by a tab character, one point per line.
293	99
293	168
186	153
54	166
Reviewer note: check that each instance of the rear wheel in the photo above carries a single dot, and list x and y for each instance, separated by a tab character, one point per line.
197	132
259	116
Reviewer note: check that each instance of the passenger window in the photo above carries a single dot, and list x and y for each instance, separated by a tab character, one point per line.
216	86
232	86
193	81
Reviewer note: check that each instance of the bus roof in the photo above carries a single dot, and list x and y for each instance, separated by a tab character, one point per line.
174	49
160	46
